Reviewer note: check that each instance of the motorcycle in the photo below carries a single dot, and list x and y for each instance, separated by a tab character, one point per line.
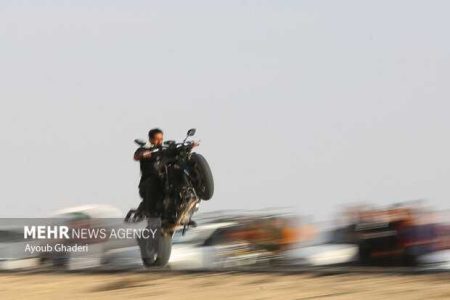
187	179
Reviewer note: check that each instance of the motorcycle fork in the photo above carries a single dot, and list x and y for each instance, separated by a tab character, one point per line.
166	200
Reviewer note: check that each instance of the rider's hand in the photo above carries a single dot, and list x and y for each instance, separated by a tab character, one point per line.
195	144
147	154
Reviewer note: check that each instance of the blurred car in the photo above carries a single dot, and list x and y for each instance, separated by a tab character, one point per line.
105	253
12	253
396	236
211	246
325	250
439	260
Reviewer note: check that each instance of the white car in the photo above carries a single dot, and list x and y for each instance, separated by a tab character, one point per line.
109	254
436	260
12	253
207	247
325	250
323	255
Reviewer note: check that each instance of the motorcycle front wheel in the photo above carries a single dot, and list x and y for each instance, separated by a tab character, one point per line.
202	176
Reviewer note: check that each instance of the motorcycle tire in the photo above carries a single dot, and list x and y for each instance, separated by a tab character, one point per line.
203	180
164	250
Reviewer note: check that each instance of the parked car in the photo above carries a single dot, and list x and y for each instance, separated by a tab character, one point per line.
212	246
12	250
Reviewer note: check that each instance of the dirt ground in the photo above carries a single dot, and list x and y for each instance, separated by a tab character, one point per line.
221	286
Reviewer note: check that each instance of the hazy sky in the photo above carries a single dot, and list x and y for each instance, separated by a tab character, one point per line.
307	104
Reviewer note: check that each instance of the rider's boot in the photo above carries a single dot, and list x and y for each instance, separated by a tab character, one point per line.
141	211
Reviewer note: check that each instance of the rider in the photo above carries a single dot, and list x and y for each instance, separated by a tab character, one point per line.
150	185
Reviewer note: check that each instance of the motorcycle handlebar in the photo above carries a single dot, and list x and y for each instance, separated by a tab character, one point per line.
177	146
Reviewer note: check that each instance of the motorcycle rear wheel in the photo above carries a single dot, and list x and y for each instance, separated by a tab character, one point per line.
163	251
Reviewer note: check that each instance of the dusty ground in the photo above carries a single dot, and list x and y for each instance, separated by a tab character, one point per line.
221	286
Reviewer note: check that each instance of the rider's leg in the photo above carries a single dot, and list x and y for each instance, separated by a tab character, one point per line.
151	193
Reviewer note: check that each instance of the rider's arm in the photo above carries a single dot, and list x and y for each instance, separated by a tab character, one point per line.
142	153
